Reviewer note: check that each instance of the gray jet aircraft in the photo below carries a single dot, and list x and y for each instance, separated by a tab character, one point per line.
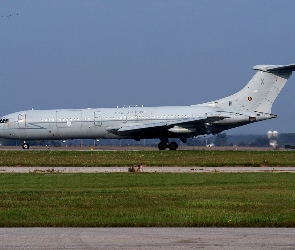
251	104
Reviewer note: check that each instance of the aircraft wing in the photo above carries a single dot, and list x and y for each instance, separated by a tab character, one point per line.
167	124
188	122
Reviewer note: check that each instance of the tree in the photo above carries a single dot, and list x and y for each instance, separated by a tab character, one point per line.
261	142
221	140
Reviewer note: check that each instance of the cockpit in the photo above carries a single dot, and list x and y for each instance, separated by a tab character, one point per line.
3	120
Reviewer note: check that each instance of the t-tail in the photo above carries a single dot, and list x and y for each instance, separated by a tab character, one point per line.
260	92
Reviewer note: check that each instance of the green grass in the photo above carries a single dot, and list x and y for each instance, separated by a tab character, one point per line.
149	158
146	200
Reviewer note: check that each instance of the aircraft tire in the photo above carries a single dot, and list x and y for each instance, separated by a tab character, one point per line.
26	146
173	145
162	145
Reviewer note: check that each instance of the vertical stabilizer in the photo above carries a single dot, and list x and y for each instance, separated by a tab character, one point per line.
260	92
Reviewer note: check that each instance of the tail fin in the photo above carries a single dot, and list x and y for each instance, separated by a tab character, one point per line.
260	92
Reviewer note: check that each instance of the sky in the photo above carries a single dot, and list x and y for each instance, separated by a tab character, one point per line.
107	53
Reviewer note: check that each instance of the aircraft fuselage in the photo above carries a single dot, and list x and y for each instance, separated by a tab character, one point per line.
104	123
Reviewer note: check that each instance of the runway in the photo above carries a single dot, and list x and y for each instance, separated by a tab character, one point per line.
144	169
147	238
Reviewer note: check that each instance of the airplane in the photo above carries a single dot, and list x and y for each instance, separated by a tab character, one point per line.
251	104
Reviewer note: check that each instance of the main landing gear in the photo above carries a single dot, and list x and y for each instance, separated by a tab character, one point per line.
163	145
26	145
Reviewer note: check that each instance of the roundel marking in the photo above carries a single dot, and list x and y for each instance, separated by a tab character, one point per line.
249	98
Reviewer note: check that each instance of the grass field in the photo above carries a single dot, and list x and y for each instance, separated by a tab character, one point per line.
149	158
146	200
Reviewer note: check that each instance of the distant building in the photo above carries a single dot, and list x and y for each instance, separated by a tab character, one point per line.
272	135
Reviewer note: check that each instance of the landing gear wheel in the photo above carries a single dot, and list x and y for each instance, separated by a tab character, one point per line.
26	146
173	145
162	145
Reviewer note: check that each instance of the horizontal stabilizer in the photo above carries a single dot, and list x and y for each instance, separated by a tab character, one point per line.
275	68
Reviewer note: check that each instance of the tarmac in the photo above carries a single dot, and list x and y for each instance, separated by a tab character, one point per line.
147	238
144	169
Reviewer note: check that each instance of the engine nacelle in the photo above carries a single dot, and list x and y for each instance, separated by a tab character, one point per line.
181	130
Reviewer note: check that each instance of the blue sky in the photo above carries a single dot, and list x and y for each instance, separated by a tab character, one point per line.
79	54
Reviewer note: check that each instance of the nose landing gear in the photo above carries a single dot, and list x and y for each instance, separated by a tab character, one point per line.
26	145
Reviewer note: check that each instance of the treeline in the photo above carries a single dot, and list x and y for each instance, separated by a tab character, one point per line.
218	140
249	140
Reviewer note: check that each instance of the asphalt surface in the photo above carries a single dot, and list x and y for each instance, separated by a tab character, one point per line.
147	238
144	169
195	169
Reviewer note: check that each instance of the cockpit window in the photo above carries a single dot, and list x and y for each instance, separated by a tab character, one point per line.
3	120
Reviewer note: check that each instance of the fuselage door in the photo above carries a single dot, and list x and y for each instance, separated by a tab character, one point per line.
97	118
22	120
